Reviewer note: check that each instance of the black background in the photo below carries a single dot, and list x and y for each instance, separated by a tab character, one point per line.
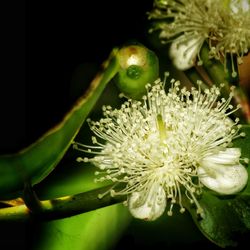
44	42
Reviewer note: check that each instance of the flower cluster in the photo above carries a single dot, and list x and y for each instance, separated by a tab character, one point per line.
187	24
167	147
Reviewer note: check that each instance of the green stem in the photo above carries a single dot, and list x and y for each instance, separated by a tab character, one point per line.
214	69
62	207
30	199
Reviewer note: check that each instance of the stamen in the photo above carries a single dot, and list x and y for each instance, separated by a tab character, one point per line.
155	147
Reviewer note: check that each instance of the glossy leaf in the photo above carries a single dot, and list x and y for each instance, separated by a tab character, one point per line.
226	219
96	230
39	159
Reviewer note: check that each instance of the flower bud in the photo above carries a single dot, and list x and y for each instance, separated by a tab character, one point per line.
138	66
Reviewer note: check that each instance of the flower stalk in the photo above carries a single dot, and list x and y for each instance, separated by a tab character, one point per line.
62	207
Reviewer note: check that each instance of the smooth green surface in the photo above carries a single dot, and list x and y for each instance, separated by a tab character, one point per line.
38	160
96	230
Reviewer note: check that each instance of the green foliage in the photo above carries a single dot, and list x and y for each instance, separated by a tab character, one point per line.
96	230
34	163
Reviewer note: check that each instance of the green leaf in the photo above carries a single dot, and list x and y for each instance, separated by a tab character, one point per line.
226	219
220	222
95	230
35	162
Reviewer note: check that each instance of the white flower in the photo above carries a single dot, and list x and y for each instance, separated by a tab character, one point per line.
234	38
188	24
165	148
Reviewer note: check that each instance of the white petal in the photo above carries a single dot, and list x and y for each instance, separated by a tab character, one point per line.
184	54
222	174
230	156
153	207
